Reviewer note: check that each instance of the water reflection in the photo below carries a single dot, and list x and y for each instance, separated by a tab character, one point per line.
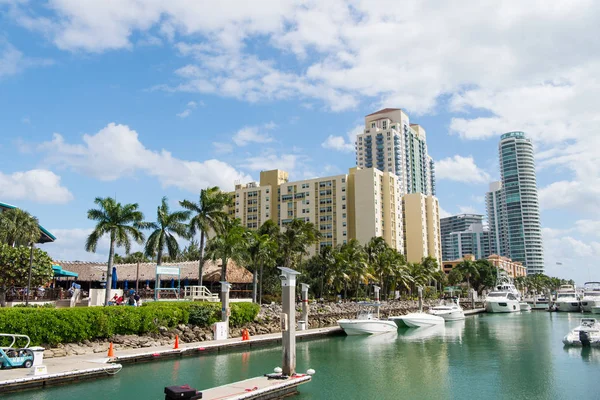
587	354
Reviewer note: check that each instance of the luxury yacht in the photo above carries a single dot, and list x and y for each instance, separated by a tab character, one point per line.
591	296
498	301
567	299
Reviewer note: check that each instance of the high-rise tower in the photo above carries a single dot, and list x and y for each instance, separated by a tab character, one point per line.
391	143
520	198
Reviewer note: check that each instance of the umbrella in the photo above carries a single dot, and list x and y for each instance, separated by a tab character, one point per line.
114	278
126	285
172	282
186	282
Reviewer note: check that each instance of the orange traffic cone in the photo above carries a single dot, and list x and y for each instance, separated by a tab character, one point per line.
176	342
245	335
111	351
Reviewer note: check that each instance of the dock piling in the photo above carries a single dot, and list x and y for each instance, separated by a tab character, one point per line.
225	304
288	331
304	306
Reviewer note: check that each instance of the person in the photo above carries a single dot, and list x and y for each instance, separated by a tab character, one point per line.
138	300
120	300
114	300
131	301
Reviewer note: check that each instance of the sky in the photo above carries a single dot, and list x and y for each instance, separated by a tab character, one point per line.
140	99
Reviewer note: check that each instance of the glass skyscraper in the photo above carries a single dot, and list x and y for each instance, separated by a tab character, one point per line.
519	211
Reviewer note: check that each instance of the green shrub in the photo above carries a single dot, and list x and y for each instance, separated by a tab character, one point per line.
242	313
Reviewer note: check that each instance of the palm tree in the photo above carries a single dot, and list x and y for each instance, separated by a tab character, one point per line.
355	258
271	229
121	223
18	228
167	225
261	251
468	269
208	216
230	244
296	238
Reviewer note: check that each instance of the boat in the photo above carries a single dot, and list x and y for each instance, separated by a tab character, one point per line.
448	309
417	320
586	334
504	297
366	323
524	306
591	296
538	302
567	299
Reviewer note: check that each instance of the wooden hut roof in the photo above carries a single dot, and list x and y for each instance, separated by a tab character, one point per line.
92	271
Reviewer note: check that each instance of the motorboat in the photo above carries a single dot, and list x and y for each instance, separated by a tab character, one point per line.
591	296
538	302
448	309
567	299
586	334
498	301
417	320
366	324
524	306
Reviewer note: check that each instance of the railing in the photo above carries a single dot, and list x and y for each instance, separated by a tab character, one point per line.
199	293
38	294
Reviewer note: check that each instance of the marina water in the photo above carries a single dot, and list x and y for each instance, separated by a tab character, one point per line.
488	356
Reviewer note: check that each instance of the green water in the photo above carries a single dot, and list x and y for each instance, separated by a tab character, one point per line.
495	356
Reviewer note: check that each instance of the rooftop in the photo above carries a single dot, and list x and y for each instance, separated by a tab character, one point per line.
384	111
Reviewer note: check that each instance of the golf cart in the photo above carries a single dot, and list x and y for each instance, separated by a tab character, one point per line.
14	357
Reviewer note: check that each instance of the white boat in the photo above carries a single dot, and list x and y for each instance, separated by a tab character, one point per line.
591	296
449	309
586	334
538	302
366	324
501	302
524	306
567	299
417	320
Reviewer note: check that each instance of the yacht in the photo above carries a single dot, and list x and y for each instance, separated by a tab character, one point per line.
448	309
591	296
366	324
567	299
499	301
538	302
586	334
417	320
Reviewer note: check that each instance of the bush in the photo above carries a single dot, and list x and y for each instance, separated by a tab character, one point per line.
69	325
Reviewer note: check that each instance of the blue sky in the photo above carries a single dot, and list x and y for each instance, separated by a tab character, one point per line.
143	99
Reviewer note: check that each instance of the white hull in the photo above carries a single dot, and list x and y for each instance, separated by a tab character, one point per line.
366	327
587	305
449	315
589	328
525	307
502	306
568	306
418	320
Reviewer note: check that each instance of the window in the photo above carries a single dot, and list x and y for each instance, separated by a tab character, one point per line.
344	215
344	224
373	125
267	191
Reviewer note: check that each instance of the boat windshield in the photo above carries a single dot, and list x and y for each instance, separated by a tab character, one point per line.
592	294
364	315
564	295
497	294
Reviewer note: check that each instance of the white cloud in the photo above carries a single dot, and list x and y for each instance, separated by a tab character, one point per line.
444	213
38	185
115	152
185	113
251	134
341	143
460	169
588	227
286	162
223	148
576	255
468	210
13	61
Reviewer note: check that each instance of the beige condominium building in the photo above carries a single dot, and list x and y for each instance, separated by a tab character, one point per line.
421	227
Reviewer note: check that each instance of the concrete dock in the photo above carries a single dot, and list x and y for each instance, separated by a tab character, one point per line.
75	368
256	388
474	311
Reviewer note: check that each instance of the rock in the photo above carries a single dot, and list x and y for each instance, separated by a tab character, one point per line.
162	329
48	354
59	352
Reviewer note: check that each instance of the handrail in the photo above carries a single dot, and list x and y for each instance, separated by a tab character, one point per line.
14	339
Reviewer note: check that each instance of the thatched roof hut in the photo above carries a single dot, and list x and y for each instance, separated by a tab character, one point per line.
93	272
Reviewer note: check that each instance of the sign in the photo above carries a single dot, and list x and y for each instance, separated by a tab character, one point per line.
160	270
220	330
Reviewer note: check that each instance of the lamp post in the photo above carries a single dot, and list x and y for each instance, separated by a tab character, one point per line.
29	279
288	319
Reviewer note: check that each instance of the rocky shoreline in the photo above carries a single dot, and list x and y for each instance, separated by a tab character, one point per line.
267	321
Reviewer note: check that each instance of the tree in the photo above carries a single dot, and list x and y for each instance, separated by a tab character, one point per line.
18	228
486	275
355	259
15	267
208	216
261	250
167	225
455	277
468	269
295	240
271	229
229	244
121	223
191	252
